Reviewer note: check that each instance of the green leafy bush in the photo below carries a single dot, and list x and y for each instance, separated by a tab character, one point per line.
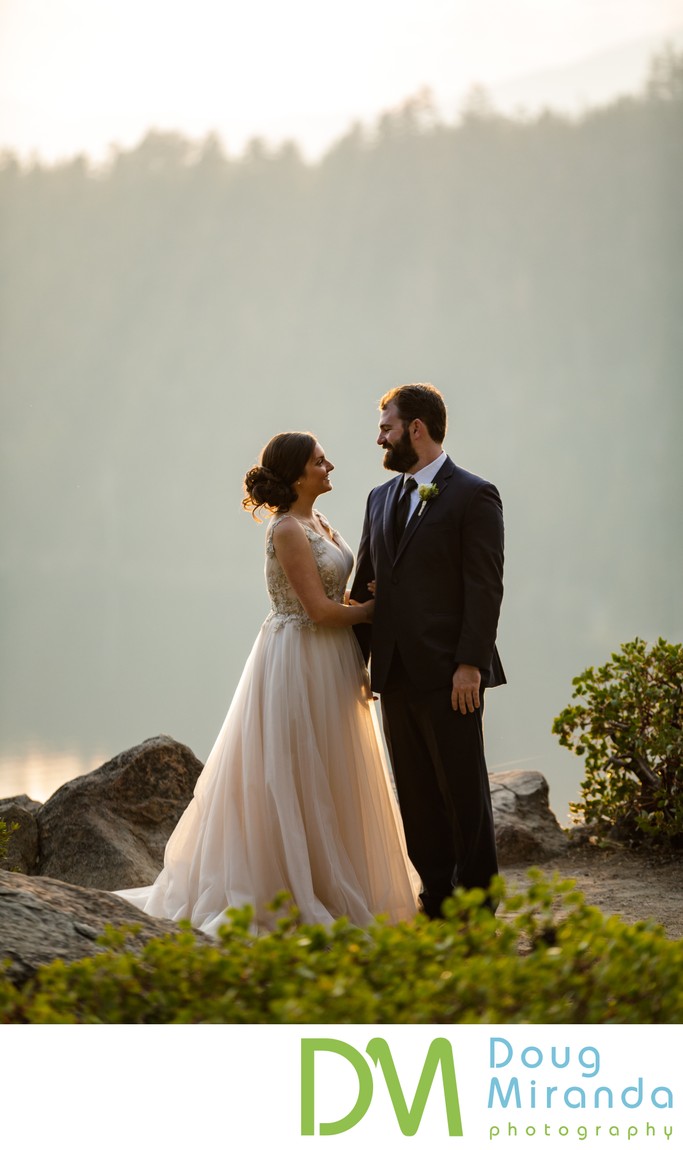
629	725
546	958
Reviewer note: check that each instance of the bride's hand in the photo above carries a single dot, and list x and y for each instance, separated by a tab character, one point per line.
369	608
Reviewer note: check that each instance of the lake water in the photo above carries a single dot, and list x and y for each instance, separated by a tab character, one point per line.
39	775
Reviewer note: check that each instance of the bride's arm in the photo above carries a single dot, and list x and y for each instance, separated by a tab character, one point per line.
296	559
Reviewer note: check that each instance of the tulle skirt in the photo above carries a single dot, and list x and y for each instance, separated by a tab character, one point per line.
296	796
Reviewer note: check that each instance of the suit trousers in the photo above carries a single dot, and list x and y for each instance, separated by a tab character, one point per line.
437	756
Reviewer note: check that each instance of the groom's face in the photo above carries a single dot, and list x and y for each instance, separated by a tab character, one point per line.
394	437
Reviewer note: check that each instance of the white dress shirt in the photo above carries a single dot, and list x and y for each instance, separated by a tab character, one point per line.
426	475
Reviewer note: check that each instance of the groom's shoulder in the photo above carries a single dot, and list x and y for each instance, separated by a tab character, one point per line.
467	479
382	490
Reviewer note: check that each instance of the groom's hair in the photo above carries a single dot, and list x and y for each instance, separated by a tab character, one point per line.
419	401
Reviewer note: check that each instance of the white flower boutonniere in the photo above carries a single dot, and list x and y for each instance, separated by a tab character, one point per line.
426	491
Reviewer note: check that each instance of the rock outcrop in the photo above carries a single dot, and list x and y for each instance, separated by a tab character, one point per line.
526	828
42	919
22	848
108	829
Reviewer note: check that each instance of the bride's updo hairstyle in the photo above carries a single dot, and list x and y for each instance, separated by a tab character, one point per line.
271	483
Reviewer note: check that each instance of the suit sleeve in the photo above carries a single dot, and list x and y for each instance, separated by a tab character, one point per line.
359	588
482	569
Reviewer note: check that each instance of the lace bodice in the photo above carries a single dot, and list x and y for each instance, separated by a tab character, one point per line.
334	560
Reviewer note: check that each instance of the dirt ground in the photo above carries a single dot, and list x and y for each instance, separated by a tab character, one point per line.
618	881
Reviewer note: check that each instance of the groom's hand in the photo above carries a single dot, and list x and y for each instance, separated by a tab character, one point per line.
466	684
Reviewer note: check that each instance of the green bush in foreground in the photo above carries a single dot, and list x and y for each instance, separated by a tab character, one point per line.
629	725
546	958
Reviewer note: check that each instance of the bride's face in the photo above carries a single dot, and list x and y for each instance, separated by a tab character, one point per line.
315	479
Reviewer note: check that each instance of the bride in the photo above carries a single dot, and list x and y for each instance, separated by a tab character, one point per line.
295	795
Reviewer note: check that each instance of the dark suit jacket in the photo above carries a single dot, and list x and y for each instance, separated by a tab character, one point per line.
438	597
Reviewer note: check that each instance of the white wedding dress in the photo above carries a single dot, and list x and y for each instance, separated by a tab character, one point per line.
296	794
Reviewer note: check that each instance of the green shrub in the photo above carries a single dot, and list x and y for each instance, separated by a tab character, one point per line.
629	725
546	958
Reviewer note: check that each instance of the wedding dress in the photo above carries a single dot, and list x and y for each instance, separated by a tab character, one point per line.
296	794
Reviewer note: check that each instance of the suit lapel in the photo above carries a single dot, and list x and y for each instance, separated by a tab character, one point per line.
393	492
440	479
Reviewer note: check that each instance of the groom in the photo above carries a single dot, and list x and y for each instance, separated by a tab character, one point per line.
432	543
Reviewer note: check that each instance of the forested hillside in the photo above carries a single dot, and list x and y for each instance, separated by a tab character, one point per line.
162	316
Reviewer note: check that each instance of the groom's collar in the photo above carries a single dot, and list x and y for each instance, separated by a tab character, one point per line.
428	473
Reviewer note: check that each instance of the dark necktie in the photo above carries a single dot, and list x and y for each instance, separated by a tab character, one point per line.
402	508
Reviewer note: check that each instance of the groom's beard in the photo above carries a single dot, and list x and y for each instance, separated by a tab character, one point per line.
402	455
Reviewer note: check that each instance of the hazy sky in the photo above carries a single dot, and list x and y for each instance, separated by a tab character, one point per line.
78	75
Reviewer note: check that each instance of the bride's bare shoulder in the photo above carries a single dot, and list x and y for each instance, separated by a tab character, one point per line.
287	530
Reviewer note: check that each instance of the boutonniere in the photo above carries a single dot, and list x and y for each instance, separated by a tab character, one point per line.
426	491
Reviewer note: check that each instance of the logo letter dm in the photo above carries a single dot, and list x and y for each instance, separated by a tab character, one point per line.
408	1117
